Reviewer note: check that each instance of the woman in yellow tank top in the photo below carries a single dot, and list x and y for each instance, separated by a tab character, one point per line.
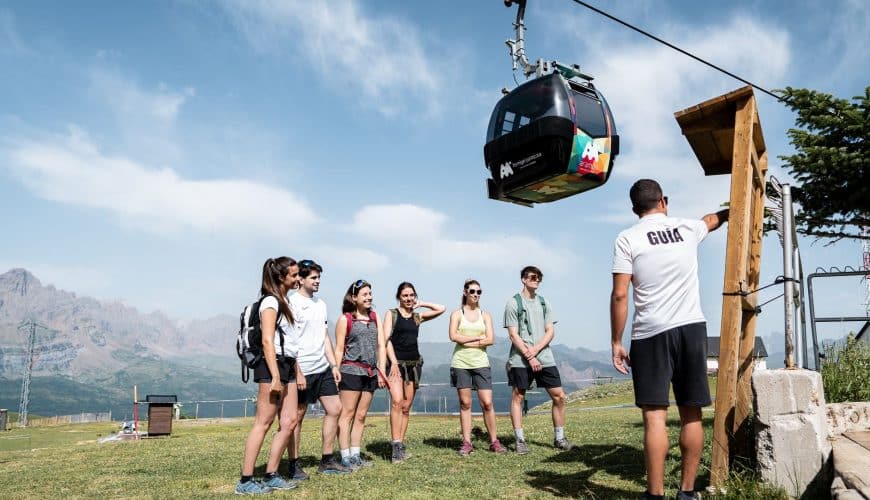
471	330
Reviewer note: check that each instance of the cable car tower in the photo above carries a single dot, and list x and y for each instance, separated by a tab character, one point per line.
551	137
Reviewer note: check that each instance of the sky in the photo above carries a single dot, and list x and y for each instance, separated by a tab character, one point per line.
157	153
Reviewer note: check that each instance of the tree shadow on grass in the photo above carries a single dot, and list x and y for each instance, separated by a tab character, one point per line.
439	442
382	449
626	462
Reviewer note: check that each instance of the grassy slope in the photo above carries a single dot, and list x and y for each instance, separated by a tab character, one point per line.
202	459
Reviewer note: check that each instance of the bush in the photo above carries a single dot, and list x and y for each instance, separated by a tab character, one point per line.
846	371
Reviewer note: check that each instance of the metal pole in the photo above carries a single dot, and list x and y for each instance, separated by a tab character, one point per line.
788	274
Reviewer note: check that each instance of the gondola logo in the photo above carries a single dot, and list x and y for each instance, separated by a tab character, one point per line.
506	170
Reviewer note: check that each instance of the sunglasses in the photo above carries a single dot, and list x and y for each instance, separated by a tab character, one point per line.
533	277
358	285
475	292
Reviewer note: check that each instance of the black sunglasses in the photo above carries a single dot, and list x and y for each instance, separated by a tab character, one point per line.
475	292
307	263
360	284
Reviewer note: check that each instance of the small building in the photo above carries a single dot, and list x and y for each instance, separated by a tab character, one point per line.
759	354
863	335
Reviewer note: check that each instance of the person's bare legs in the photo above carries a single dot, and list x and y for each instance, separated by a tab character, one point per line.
349	401
465	413
517	397
359	418
267	408
558	397
485	398
332	410
288	418
655	447
293	446
397	401
410	392
691	445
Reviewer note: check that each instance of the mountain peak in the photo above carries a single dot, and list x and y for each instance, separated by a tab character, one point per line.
19	281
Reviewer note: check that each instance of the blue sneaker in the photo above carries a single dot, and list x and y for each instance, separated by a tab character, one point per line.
277	482
361	462
350	463
252	488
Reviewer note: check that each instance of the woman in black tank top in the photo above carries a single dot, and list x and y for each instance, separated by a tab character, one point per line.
403	326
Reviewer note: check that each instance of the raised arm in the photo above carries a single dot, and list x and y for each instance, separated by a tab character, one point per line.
434	311
714	221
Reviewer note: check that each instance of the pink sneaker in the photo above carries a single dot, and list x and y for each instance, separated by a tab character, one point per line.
466	449
497	447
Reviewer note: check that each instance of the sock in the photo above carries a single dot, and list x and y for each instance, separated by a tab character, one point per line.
325	459
354	451
690	494
246	479
559	432
396	441
653	497
293	465
345	453
269	475
521	436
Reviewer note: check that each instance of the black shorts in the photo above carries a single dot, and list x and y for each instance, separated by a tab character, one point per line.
286	370
473	378
410	371
359	383
522	377
677	356
318	385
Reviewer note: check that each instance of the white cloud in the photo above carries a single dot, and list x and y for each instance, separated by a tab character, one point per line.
382	59
420	236
71	169
10	40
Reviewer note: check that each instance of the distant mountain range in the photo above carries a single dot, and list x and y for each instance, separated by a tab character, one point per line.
90	353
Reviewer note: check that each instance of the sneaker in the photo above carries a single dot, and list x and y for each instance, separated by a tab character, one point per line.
405	453
299	474
333	467
497	447
397	457
563	444
522	447
349	463
277	482
361	462
466	449
682	495
252	488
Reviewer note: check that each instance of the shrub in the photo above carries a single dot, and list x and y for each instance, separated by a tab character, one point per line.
846	371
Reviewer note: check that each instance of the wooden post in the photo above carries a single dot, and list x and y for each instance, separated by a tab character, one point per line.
725	134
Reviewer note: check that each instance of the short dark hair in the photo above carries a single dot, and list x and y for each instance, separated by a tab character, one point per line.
531	269
645	195
308	265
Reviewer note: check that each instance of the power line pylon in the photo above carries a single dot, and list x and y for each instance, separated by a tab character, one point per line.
29	326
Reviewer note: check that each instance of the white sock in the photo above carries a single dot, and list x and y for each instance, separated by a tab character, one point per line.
396	441
521	436
354	451
559	432
345	453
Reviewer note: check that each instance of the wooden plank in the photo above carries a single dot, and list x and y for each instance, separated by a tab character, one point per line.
736	266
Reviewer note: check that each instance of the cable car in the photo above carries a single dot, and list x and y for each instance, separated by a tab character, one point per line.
551	137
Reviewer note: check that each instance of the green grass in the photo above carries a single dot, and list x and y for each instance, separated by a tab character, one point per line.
202	459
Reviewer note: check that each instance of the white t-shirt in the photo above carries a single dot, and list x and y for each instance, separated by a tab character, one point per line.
661	255
309	315
290	346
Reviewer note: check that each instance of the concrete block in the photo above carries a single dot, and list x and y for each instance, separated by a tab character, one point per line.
792	443
848	417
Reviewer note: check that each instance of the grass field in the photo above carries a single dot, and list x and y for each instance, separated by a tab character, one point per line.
201	460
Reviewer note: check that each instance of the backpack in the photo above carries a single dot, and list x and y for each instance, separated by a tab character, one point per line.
249	340
417	320
523	315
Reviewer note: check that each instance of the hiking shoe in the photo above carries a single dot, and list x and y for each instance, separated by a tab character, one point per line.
362	461
522	447
405	454
397	457
277	482
299	473
563	444
497	447
682	495
466	449
252	488
333	467
350	464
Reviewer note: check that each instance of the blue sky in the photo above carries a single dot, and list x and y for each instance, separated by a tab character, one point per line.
156	153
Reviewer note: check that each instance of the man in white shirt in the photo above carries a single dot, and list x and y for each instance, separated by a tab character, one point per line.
658	257
316	361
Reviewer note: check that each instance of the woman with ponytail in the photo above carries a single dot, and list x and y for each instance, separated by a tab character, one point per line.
471	330
274	372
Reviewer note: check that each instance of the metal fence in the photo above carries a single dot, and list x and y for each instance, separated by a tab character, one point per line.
76	418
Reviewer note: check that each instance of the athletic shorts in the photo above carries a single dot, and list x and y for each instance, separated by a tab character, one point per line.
522	377
318	385
677	356
473	378
410	371
286	370
358	383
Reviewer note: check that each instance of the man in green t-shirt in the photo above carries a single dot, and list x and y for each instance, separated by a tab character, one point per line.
530	322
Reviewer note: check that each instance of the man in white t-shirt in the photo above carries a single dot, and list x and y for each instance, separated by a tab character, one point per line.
316	360
658	257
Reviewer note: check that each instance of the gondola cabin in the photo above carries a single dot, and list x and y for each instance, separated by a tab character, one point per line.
548	139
